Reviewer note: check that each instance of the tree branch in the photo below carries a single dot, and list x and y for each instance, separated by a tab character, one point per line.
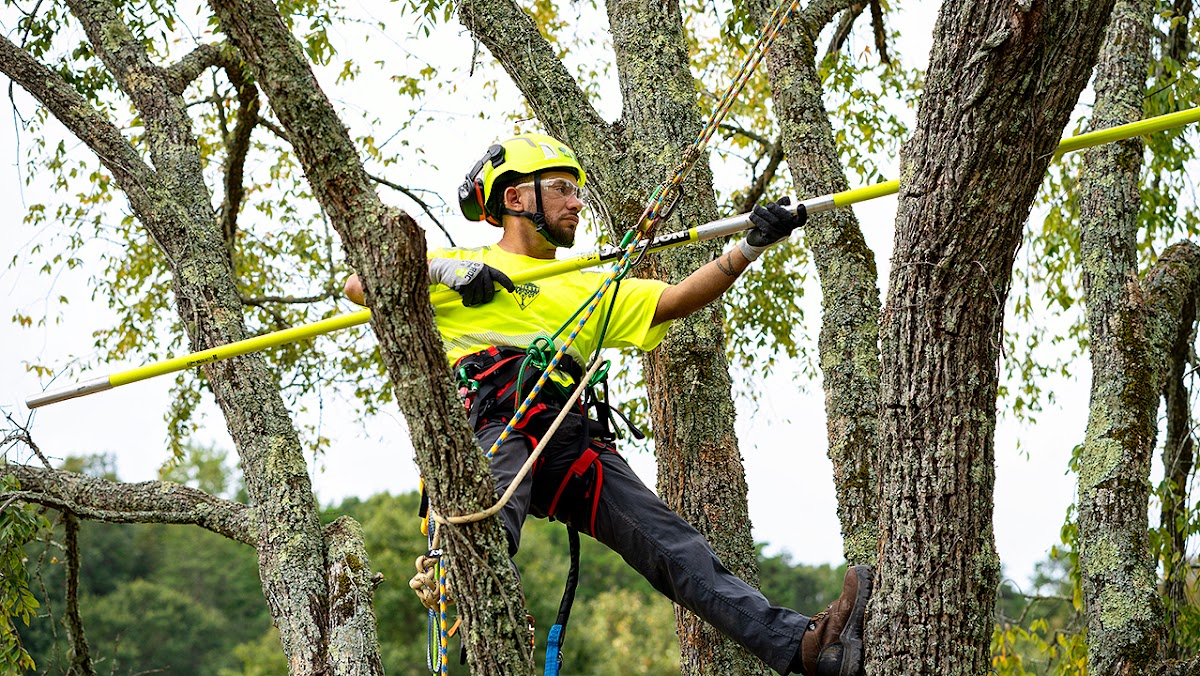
387	248
845	24
181	73
117	155
819	13
880	34
420	202
81	658
263	301
238	146
755	192
1171	283
122	53
849	342
354	645
765	142
145	502
168	126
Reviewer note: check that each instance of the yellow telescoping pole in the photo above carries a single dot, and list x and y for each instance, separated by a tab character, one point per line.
721	228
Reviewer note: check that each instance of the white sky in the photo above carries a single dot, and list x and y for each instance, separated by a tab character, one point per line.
792	505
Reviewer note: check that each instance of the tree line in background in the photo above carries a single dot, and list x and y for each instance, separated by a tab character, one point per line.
170	599
158	598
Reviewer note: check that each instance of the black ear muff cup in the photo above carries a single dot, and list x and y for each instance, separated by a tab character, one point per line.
470	193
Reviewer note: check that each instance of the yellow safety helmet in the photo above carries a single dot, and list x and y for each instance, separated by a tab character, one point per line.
520	155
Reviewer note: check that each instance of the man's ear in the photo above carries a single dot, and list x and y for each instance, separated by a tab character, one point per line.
512	199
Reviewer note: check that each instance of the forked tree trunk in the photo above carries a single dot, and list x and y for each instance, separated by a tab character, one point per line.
1002	80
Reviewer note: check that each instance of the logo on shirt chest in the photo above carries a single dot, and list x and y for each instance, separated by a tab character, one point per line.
526	293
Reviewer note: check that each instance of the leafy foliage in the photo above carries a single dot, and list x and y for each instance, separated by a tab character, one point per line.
1042	633
19	524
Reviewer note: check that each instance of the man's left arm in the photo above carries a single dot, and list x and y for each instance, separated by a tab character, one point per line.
772	224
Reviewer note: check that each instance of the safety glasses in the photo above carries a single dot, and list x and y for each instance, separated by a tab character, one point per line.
559	187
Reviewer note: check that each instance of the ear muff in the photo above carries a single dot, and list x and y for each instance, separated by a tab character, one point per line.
470	193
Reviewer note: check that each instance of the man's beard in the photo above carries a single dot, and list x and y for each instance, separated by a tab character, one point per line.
562	233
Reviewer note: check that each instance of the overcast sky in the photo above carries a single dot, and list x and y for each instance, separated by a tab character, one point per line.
792	504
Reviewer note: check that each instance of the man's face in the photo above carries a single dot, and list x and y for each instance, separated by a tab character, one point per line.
561	204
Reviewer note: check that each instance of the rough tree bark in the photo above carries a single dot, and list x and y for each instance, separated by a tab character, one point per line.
849	341
1119	584
387	248
700	474
1000	86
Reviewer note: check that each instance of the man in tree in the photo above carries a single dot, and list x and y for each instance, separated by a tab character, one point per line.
532	186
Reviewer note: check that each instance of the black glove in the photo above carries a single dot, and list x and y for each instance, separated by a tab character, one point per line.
474	281
773	223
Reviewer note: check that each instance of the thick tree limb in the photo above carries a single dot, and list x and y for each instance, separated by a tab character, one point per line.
387	248
1178	457
145	502
1172	295
168	126
1116	566
700	472
351	590
848	345
999	91
174	205
183	72
560	105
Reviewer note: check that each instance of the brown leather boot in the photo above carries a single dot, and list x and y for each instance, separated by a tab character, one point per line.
832	645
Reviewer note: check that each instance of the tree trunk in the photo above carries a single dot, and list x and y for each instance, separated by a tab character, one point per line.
849	341
1001	84
1119	587
700	472
387	248
174	205
699	468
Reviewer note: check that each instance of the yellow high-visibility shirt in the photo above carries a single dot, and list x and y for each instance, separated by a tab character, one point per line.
542	306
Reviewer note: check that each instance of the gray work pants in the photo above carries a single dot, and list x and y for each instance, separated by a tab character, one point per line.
631	520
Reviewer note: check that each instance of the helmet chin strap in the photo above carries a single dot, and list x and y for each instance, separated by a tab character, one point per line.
538	217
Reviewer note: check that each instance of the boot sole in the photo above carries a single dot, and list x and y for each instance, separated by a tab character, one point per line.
851	636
